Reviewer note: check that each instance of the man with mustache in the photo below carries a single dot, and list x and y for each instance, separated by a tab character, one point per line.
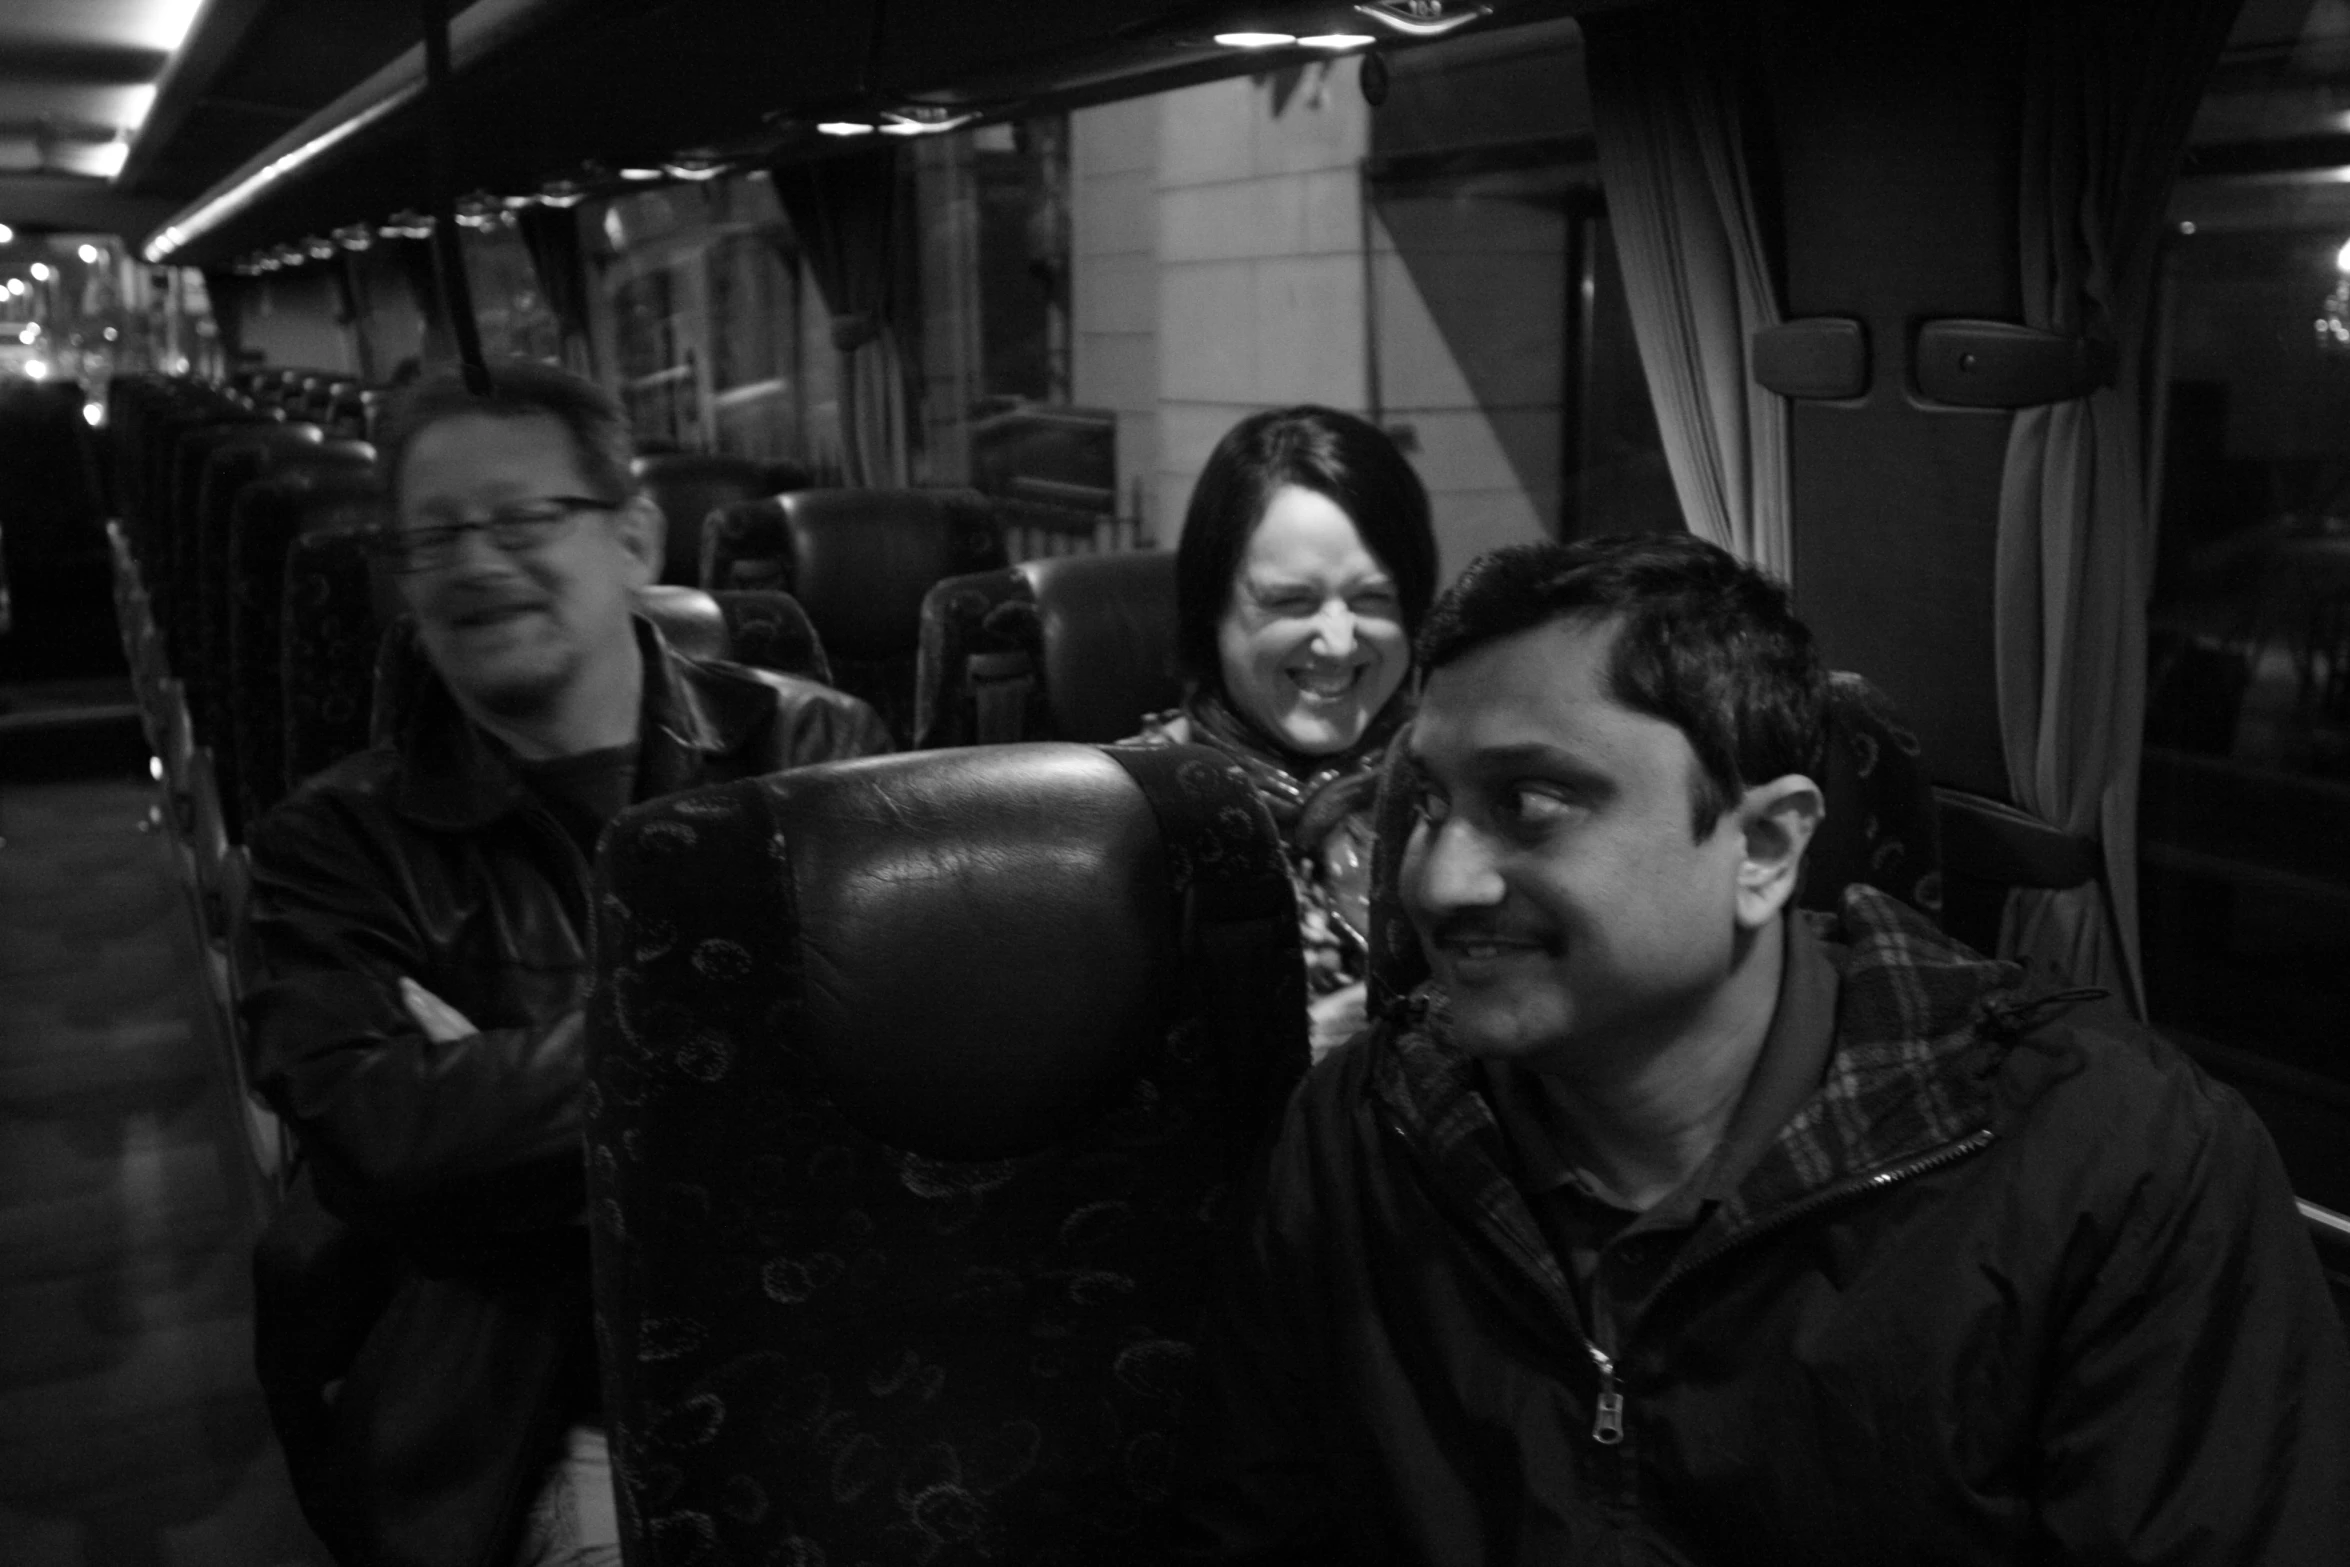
1668	1225
418	946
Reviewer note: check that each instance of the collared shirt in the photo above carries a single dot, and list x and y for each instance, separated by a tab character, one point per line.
1614	1254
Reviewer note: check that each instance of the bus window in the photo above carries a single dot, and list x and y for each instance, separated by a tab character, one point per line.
2244	790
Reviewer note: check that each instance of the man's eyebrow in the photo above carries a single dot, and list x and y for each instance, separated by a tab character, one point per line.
1534	755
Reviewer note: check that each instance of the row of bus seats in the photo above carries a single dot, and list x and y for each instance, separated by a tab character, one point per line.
266	643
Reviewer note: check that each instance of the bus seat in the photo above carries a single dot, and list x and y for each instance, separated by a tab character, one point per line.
771	631
688	486
876	1258
337	602
1990	847
231	464
1073	647
697	624
333	488
1884	827
859	562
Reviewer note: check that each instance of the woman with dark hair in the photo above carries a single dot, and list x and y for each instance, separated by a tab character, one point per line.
1306	563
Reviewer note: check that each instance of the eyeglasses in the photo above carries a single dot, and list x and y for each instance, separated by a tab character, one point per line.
523	525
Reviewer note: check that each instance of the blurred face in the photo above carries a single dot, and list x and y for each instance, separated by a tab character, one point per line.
1312	643
512	628
1552	876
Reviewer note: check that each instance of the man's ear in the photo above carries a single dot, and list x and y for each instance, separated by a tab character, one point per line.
644	533
1776	821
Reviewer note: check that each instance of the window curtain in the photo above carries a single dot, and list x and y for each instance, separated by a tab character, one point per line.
551	236
414	259
1665	109
843	210
2110	92
225	292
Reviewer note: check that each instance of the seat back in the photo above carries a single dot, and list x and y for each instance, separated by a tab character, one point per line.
882	1265
1882	827
1076	647
330	487
859	562
687	487
232	463
337	602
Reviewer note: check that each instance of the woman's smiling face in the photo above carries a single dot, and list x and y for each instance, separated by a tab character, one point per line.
1312	641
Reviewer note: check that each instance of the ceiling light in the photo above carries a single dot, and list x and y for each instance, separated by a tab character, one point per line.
355	236
1255	40
89	255
1337	40
479	210
7	234
563	193
31	333
2342	258
697	165
320	249
1421	18
16	288
846	127
94	414
36	370
642	174
923	119
407	225
40	271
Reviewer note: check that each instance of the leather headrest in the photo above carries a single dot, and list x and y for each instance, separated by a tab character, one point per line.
988	940
1109	640
687	487
863	559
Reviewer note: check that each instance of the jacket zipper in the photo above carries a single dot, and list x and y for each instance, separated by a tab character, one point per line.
1607	1423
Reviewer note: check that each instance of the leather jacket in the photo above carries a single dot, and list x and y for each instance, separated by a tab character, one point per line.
430	1263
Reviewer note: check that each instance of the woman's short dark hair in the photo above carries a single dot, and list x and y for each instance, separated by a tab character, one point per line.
1704	641
518	389
1348	460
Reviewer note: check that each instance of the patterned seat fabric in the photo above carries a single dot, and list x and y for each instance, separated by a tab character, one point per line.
919	1087
336	607
1883	829
1078	647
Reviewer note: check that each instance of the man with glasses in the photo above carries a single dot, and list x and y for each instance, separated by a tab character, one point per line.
417	956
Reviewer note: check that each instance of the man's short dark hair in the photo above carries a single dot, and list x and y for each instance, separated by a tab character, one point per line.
1704	642
1348	460
518	389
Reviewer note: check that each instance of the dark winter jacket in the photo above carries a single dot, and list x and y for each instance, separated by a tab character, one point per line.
2016	1284
431	1262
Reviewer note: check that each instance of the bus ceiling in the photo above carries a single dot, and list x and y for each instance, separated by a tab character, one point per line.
554	99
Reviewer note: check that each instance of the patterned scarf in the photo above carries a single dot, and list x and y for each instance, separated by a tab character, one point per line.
1308	795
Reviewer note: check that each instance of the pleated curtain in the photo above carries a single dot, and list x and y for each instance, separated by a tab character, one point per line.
2109	98
551	237
1697	279
844	212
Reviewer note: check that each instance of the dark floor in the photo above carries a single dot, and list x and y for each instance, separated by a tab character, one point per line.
131	1432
